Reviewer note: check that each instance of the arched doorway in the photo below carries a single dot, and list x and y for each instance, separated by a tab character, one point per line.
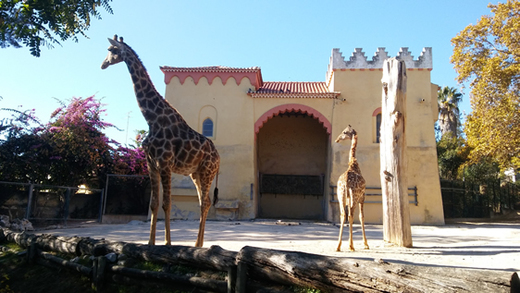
292	156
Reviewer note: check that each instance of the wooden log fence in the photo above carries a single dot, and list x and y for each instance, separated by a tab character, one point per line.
257	269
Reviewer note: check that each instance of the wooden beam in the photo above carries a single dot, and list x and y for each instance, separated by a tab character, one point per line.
394	181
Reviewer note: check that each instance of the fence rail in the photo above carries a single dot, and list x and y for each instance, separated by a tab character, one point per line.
374	192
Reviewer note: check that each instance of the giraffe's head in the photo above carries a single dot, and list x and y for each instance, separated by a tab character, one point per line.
116	52
347	133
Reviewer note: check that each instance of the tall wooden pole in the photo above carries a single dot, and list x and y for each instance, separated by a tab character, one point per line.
396	210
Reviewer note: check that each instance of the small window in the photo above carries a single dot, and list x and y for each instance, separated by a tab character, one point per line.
207	128
378	128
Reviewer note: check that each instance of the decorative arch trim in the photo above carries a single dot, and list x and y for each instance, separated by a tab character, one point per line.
290	108
253	74
376	111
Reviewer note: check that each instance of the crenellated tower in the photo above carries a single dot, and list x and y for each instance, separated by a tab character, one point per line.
358	60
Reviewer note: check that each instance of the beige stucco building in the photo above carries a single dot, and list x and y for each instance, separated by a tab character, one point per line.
276	139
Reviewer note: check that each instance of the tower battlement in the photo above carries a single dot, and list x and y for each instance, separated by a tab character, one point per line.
358	60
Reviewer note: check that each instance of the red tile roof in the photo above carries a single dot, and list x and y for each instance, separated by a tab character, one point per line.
270	89
283	89
209	69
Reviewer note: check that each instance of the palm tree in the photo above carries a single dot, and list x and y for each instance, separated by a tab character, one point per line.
448	99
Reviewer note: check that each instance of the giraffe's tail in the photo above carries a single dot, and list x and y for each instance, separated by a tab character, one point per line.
215	196
215	192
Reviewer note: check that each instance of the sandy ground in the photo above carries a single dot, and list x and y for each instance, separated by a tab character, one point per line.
472	245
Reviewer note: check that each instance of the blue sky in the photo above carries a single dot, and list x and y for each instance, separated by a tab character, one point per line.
289	40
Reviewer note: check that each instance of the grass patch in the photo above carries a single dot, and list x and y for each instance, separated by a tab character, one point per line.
305	290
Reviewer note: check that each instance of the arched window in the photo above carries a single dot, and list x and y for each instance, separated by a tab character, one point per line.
378	128
207	127
376	122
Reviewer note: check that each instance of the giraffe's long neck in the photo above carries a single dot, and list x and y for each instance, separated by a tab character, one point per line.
149	100
353	147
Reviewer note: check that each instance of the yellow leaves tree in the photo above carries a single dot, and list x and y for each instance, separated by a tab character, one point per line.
487	55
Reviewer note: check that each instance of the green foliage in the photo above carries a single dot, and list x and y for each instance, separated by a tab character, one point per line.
4	286
81	151
482	171
452	154
487	55
448	99
305	290
36	23
149	266
69	150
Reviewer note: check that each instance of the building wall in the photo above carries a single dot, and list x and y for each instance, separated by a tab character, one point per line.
239	119
234	138
361	94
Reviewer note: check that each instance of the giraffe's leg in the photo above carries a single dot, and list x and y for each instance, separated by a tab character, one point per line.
166	204
204	209
342	215
203	184
362	221
154	202
351	223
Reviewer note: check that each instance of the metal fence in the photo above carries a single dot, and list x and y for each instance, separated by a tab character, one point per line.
373	194
127	195
50	203
462	199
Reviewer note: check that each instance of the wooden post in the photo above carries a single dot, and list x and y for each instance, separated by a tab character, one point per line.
98	273
66	206
394	185
29	201
32	253
232	279
241	277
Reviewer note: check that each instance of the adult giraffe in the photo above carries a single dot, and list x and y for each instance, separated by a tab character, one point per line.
171	145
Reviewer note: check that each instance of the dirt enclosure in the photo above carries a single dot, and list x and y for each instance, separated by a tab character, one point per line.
463	244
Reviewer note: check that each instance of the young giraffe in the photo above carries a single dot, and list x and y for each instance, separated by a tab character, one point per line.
171	146
351	187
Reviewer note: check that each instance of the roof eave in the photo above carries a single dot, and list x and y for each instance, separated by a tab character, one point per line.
329	95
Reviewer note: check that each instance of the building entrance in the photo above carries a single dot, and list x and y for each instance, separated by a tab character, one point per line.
292	163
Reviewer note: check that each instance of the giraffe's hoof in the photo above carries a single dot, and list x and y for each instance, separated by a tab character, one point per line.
352	248
366	247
